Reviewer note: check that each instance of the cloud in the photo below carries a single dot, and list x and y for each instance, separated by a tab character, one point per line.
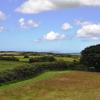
82	22
89	31
37	6
28	23
2	16
2	29
66	26
51	36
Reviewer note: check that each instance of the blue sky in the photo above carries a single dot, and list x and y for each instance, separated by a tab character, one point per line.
66	27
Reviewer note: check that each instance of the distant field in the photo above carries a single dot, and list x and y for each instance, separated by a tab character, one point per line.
20	56
5	65
63	85
68	59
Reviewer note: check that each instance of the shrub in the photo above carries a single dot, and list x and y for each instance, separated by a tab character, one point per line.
91	57
30	70
9	58
42	59
26	56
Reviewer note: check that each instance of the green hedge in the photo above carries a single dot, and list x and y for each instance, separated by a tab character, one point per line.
9	58
30	70
42	59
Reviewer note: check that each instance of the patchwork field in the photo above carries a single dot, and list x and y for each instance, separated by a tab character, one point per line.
59	85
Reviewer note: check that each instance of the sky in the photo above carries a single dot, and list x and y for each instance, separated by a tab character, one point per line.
64	26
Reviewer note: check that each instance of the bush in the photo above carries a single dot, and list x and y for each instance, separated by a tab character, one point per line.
26	56
42	59
91	57
9	58
30	70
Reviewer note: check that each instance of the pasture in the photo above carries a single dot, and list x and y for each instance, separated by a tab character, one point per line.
58	85
7	65
20	55
50	85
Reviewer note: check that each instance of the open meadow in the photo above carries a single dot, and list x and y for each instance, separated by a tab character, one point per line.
58	85
7	65
57	80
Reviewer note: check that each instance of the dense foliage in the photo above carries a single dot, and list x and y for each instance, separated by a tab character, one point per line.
42	59
91	57
30	70
9	58
26	56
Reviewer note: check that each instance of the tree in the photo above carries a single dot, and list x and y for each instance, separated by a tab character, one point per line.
26	56
90	57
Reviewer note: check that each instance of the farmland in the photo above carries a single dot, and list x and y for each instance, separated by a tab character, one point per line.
7	65
53	84
63	85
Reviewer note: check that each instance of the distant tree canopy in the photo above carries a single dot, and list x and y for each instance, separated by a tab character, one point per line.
90	57
9	58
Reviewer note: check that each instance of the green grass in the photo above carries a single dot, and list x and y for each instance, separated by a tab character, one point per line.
5	65
64	85
68	59
44	76
21	57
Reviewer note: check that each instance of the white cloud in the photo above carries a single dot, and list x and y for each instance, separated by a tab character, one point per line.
2	16
90	2
66	26
37	6
53	36
89	31
82	22
28	23
2	29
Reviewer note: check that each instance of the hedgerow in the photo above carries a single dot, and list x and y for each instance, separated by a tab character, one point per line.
30	70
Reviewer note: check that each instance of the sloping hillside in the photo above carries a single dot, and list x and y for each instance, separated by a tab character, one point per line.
64	85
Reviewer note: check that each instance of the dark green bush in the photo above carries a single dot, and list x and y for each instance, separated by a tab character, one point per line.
30	70
26	56
42	59
9	58
90	57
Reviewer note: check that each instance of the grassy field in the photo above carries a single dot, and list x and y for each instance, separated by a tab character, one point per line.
68	59
5	65
20	56
63	85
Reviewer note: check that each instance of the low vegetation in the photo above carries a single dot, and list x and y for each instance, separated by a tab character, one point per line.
42	59
28	71
9	65
35	65
59	85
11	58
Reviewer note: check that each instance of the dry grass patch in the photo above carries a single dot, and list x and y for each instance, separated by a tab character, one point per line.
73	85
